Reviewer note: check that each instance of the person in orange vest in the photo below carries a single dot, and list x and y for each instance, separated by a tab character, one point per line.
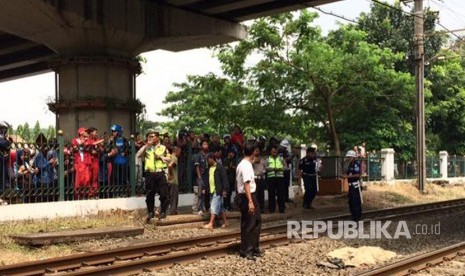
82	163
95	150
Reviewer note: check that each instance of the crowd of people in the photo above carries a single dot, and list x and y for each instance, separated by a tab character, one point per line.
209	164
98	167
215	169
93	167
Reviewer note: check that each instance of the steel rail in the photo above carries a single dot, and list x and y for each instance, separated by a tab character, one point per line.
154	248
161	248
416	263
158	262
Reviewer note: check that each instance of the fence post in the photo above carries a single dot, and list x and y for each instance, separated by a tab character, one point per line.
61	166
443	163
132	166
387	169
303	153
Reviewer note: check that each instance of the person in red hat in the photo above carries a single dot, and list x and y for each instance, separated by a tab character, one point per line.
82	164
96	149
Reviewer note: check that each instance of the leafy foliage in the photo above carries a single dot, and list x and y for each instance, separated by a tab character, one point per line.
393	28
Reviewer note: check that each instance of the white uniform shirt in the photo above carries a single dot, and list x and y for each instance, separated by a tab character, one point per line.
244	174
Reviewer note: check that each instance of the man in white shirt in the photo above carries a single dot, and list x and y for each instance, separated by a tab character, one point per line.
250	211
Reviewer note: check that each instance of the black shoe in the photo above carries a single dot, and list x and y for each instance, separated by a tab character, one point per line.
149	217
258	253
162	216
248	256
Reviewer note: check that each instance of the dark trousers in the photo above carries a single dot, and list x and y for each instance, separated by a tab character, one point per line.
232	187
355	202
310	190
174	195
156	182
260	193
204	198
287	182
276	189
251	224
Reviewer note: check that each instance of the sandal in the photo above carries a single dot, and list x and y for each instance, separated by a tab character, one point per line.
225	225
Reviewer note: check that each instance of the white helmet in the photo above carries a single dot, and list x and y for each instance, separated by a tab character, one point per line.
351	153
284	143
158	129
314	146
3	128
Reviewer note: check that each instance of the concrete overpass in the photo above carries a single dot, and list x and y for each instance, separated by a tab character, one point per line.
92	46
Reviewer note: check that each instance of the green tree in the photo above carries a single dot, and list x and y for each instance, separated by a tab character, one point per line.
19	130
204	103
35	131
324	80
50	133
10	129
447	104
393	28
26	133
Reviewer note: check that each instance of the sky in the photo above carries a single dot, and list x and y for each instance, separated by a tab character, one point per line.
30	95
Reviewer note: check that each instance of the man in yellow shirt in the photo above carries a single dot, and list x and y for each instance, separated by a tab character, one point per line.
156	160
218	187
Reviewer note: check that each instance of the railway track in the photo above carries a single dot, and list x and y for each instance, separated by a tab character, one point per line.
417	263
156	255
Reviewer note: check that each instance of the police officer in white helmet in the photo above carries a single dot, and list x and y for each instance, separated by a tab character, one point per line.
286	154
6	172
352	173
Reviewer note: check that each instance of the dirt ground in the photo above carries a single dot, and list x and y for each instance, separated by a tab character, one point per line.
377	196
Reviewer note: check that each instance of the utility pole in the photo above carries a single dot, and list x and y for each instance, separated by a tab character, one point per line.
419	84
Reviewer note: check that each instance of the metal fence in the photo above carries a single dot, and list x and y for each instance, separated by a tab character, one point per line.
334	166
407	169
44	173
35	173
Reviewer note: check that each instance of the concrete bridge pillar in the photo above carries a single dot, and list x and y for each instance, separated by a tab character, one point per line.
96	43
95	91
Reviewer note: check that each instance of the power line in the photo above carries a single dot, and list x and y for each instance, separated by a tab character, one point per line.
333	14
410	14
455	13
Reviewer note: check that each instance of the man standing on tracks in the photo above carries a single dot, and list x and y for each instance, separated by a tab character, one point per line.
156	160
250	212
219	188
353	172
308	171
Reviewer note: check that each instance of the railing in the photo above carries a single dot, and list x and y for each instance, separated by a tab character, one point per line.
333	166
456	166
46	180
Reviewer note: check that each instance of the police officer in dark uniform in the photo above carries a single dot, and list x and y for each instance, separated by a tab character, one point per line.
308	171
5	166
353	173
